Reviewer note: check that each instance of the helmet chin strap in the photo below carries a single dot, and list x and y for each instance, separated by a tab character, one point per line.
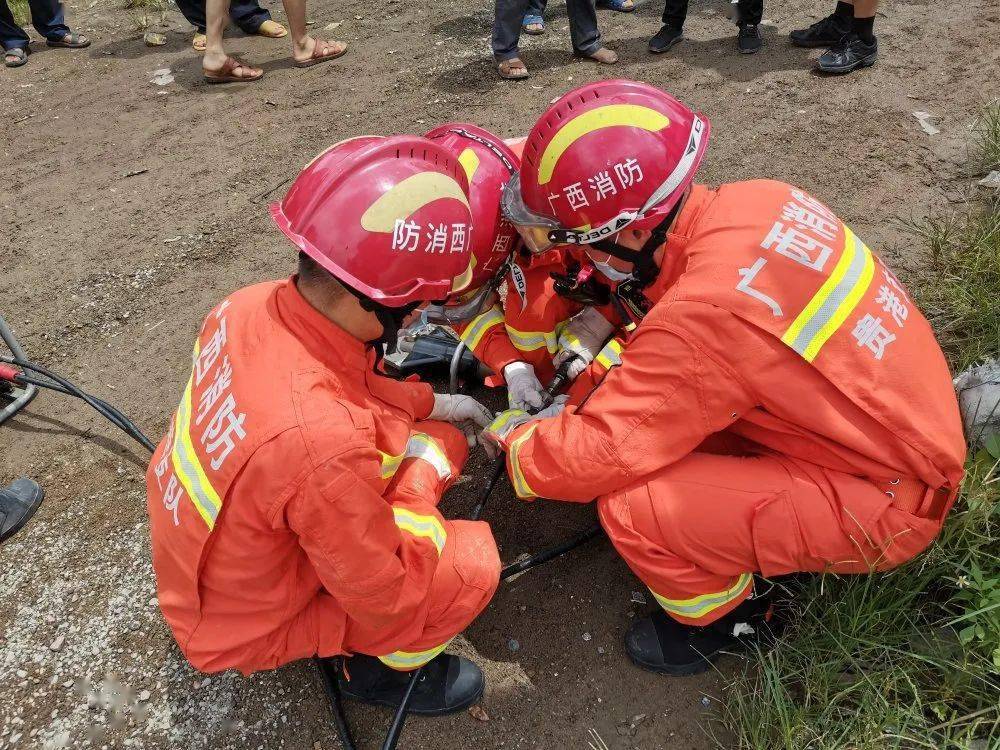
645	269
390	318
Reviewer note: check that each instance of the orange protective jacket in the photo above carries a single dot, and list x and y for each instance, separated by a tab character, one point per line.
274	526
773	322
525	325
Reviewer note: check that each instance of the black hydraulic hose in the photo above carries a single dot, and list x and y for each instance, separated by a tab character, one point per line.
550	554
496	471
101	407
114	413
333	695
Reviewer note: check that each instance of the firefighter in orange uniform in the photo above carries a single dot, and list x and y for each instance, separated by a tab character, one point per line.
526	335
781	405
293	502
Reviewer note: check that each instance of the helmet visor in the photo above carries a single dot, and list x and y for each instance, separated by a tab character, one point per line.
533	228
462	310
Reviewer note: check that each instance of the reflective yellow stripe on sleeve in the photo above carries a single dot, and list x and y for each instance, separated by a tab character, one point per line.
472	336
412	659
611	355
421	446
835	300
529	341
700	606
186	464
428	527
521	486
424	447
501	424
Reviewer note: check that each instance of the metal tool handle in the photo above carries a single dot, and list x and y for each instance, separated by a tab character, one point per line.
30	391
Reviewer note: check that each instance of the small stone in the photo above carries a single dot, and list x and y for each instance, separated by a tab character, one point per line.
600	650
478	713
57	643
705	701
21	673
992	180
638	597
513	645
144	696
587	636
68	684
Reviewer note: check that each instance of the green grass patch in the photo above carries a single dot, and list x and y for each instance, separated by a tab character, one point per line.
22	15
909	658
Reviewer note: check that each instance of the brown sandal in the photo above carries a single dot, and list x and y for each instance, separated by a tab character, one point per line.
513	69
70	41
227	73
322	52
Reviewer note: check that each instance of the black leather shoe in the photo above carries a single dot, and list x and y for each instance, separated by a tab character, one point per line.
748	41
850	53
447	684
665	38
824	33
661	644
18	502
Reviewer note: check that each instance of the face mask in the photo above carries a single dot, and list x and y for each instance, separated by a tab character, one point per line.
610	271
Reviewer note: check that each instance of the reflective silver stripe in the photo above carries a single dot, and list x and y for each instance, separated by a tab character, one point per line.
610	355
412	659
428	527
836	298
187	466
473	335
529	341
700	606
422	446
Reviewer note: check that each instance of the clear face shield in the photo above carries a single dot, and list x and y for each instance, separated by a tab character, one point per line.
533	228
466	307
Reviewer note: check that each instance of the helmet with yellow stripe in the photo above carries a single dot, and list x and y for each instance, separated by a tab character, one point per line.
605	156
488	163
389	218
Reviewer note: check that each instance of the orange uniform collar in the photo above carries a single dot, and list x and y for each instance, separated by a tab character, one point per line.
324	339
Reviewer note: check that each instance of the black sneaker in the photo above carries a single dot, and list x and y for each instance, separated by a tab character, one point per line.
18	502
850	53
824	33
448	683
661	644
748	41
665	38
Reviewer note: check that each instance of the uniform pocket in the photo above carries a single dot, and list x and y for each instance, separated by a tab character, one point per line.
477	560
777	537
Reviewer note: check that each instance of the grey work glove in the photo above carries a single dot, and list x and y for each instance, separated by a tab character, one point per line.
494	437
523	389
464	412
584	336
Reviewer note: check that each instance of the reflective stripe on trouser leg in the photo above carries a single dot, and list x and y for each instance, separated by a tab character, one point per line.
698	607
407	660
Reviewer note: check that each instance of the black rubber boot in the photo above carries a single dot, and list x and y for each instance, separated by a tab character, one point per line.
748	40
447	684
661	644
18	502
850	53
824	33
665	39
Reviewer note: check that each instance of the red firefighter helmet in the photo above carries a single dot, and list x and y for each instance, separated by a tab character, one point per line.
489	163
389	217
604	156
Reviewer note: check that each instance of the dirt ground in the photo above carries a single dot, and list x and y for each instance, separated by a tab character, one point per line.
130	208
